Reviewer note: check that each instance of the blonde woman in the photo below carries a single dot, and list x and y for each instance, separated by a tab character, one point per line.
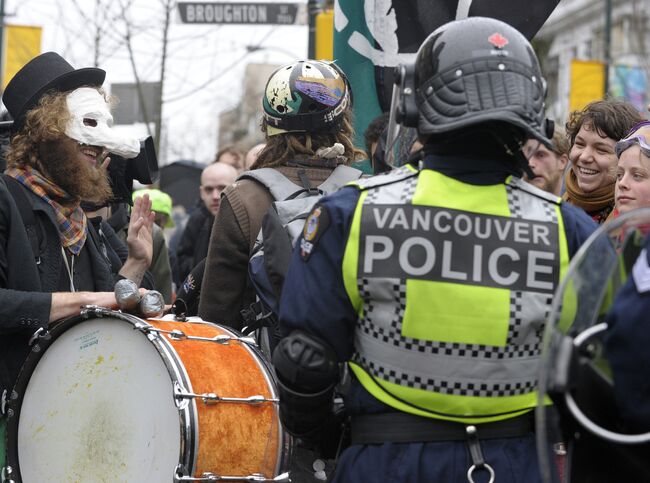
633	170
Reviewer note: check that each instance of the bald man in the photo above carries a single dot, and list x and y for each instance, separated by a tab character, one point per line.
193	246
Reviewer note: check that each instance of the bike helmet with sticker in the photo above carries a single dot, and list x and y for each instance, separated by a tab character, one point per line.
306	96
475	71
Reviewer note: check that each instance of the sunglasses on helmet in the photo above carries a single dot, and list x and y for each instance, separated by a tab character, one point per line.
639	140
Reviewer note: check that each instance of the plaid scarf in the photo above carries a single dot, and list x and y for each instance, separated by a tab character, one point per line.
71	219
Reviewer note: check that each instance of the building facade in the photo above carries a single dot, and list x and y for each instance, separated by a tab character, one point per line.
240	126
576	31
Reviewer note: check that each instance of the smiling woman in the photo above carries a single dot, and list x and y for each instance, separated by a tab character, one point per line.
593	133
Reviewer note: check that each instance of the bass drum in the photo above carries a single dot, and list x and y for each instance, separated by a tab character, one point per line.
108	397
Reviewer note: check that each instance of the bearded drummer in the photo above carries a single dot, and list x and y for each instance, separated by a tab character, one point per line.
51	259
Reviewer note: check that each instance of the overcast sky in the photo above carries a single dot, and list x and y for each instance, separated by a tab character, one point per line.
205	64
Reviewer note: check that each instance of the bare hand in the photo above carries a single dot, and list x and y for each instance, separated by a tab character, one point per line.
67	304
139	240
139	236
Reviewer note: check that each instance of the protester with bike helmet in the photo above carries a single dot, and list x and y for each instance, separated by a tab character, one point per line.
438	276
306	122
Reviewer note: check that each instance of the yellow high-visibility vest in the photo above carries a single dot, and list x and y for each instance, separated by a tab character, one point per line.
452	284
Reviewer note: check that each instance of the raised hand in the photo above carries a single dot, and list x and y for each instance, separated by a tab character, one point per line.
139	240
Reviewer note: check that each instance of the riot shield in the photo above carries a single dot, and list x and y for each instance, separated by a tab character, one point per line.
577	410
398	145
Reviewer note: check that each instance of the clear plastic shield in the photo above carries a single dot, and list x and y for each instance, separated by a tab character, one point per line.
403	147
400	139
583	420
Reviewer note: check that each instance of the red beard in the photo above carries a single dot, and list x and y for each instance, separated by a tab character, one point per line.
63	164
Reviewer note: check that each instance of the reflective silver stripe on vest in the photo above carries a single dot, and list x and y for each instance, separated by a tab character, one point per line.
386	178
451	367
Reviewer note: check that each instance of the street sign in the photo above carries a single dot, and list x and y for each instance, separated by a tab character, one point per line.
242	13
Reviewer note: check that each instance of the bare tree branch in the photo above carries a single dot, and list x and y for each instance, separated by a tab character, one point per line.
127	37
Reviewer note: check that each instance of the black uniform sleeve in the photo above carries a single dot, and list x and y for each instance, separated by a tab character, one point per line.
314	298
578	226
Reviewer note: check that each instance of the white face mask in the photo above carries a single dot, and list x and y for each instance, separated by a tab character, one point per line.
91	123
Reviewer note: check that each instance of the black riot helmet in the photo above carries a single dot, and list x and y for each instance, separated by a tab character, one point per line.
474	71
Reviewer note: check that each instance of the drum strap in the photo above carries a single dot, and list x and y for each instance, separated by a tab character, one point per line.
398	427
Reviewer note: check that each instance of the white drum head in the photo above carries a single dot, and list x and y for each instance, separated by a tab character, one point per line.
99	407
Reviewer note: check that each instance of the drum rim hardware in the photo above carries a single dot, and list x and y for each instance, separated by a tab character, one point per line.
5	474
179	335
3	402
180	475
41	334
88	311
212	398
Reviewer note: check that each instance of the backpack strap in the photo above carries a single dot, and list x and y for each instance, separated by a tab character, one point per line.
278	184
24	207
341	176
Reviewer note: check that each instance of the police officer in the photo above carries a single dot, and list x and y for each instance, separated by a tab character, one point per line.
433	281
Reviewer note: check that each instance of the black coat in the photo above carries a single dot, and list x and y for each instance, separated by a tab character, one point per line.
28	279
194	243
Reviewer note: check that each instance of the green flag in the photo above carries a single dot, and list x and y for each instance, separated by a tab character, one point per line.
349	21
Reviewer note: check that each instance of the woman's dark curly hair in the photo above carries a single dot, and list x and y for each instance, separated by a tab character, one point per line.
610	118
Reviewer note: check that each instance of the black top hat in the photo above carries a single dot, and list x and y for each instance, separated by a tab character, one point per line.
47	72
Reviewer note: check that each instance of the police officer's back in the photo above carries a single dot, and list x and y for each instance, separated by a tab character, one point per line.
433	281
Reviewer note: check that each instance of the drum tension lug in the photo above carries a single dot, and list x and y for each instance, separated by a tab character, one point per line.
41	334
179	335
5	474
180	475
179	309
181	395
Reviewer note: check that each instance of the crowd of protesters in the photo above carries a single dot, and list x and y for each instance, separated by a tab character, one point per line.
579	164
56	201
